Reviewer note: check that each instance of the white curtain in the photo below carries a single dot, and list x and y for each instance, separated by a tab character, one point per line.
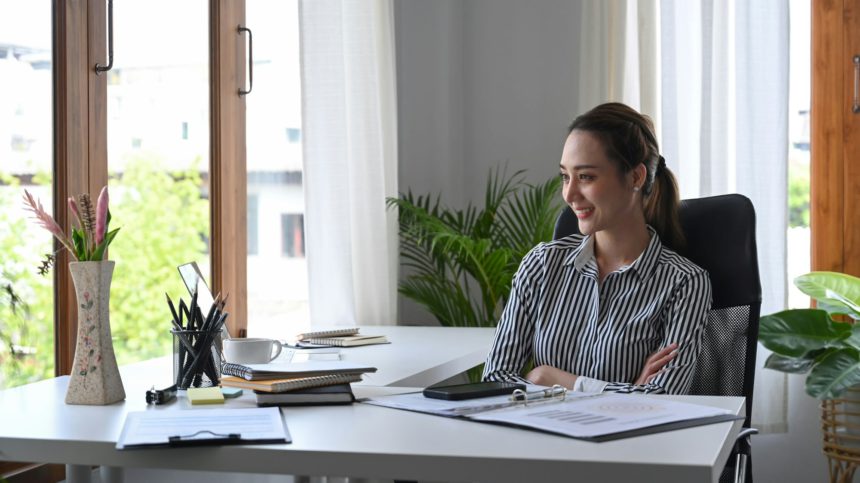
620	55
720	106
349	118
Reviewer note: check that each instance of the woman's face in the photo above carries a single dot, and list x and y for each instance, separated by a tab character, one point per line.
592	186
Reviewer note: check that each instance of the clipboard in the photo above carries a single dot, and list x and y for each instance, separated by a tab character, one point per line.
176	428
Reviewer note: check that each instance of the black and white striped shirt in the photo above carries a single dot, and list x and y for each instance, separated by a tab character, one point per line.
560	315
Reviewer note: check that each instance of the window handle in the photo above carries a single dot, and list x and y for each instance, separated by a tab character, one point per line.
856	107
250	60
104	68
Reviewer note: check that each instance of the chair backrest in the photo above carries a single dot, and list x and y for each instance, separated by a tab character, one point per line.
720	237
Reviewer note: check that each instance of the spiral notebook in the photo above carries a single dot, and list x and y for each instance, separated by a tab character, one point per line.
348	340
328	333
281	370
290	384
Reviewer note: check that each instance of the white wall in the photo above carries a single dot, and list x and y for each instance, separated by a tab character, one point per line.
483	82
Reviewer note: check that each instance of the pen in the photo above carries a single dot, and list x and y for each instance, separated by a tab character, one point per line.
556	390
172	309
183	311
192	310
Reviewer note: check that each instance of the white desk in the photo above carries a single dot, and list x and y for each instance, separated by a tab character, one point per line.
358	440
421	356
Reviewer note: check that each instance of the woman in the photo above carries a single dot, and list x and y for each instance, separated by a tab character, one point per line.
612	309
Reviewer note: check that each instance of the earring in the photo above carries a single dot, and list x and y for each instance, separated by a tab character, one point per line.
635	188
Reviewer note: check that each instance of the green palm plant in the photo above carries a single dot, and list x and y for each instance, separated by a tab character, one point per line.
461	262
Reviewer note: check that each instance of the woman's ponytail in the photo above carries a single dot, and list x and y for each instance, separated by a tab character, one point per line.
661	203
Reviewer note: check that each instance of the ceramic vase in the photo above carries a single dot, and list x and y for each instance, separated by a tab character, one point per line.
95	378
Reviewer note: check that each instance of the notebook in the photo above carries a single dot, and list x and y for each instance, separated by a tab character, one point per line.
334	394
290	384
284	370
328	333
348	340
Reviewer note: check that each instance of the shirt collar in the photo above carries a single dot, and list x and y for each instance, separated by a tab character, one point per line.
642	266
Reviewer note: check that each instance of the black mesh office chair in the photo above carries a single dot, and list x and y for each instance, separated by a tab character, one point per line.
720	233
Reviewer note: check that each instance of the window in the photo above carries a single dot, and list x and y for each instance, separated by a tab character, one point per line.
26	156
798	248
277	269
293	235
252	224
159	186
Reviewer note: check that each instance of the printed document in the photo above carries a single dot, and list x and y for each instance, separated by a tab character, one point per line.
578	415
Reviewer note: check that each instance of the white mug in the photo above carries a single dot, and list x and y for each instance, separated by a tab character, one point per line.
251	351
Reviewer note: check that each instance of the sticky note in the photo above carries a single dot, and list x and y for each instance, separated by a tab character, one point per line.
205	395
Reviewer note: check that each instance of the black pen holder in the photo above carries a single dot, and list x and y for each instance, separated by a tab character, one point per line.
196	358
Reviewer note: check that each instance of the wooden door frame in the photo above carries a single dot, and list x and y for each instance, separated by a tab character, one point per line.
835	150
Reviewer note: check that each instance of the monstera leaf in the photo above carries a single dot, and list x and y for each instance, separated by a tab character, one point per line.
811	340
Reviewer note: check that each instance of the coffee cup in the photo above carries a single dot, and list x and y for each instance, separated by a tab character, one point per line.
251	351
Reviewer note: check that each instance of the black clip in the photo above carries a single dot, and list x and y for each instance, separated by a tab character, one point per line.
193	440
160	396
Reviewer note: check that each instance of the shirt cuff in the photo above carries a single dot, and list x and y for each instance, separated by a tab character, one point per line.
587	384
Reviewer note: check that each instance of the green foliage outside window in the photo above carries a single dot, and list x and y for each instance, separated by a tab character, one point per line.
798	196
26	299
165	221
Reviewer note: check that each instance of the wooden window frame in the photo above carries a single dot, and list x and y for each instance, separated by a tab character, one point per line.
80	143
835	149
80	149
228	166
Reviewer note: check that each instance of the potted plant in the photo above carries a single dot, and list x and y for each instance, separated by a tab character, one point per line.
812	341
95	377
460	263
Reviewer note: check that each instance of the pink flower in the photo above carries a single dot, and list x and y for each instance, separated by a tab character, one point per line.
46	221
101	215
73	207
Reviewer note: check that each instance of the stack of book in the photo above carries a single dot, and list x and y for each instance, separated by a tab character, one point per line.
288	384
346	337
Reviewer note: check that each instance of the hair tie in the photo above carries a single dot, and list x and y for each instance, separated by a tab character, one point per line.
661	165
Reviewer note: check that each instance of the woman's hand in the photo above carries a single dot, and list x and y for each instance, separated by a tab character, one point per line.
655	364
548	376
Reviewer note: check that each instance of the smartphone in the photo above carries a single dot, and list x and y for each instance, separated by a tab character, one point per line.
459	392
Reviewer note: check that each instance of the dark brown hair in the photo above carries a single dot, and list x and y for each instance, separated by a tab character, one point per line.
629	140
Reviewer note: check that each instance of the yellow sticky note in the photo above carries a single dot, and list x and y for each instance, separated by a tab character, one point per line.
205	395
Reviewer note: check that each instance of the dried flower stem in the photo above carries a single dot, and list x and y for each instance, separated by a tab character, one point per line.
88	216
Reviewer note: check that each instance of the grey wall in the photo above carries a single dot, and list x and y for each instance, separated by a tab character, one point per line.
484	82
481	84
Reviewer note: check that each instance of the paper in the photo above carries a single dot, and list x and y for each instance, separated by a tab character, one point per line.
205	395
579	415
598	416
154	428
